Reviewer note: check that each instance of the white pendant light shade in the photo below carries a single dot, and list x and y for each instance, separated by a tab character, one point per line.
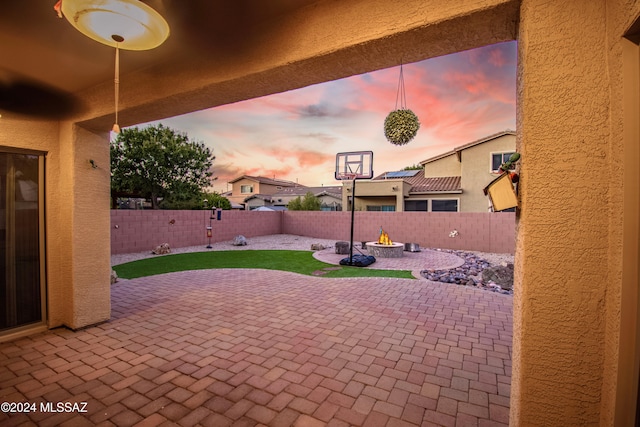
126	24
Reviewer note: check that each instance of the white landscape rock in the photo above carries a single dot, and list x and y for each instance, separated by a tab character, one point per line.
239	240
162	249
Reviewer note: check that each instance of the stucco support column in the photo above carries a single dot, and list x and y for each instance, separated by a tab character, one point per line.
562	263
81	251
400	201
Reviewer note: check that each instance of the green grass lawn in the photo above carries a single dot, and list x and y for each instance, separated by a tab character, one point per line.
301	262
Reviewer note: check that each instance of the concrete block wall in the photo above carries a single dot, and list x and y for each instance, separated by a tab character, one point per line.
143	230
139	231
477	231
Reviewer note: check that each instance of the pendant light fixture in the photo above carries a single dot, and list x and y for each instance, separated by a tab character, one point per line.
122	24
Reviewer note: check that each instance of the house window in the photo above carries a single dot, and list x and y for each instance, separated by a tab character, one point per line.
246	189
415	206
444	205
383	208
499	158
331	208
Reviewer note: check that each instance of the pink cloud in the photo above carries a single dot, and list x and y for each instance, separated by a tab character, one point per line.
496	58
269	172
302	157
458	98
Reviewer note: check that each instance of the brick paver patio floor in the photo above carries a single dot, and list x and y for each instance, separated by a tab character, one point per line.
256	347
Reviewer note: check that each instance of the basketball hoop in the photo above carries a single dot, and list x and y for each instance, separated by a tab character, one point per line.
352	166
348	176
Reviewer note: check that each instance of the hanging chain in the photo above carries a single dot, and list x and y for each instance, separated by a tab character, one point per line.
401	95
116	80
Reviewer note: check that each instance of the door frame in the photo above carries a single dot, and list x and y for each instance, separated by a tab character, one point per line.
627	404
42	325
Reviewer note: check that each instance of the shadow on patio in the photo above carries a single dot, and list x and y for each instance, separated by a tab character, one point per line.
257	347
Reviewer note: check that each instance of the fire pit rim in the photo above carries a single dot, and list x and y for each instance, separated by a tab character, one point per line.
394	250
382	245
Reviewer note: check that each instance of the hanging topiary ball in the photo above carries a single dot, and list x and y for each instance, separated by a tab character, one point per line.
401	126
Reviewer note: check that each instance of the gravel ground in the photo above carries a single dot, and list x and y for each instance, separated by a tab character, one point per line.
494	259
276	241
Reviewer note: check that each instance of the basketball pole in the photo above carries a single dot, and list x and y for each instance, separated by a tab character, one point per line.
344	170
353	210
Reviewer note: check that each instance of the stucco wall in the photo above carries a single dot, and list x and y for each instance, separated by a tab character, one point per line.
566	312
76	216
89	221
622	323
476	171
375	193
445	166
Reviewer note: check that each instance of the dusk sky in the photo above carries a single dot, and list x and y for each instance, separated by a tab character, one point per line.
295	135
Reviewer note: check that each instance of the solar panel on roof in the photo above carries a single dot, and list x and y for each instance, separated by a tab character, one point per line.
402	174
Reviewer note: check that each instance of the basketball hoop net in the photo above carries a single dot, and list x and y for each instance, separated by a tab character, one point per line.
347	176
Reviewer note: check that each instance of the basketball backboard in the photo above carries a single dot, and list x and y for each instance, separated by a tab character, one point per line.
354	165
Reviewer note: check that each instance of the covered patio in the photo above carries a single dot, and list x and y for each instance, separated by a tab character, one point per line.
576	352
256	347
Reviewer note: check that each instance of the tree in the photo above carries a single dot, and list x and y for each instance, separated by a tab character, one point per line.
196	202
308	203
412	167
158	162
295	204
216	200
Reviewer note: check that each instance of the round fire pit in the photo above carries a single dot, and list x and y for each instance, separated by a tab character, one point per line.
394	250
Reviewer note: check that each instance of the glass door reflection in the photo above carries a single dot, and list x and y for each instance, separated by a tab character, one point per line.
21	219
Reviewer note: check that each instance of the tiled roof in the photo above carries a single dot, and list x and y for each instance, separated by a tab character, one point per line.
265	197
301	191
269	181
420	184
444	184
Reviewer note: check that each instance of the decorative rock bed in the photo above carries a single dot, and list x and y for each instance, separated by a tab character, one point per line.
468	274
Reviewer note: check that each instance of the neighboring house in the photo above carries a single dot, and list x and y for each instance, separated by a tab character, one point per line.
257	201
476	164
330	196
234	206
450	182
249	190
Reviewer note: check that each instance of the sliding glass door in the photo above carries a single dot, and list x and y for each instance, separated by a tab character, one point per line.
22	290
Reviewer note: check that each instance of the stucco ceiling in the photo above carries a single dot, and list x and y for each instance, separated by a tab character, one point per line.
46	59
222	51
